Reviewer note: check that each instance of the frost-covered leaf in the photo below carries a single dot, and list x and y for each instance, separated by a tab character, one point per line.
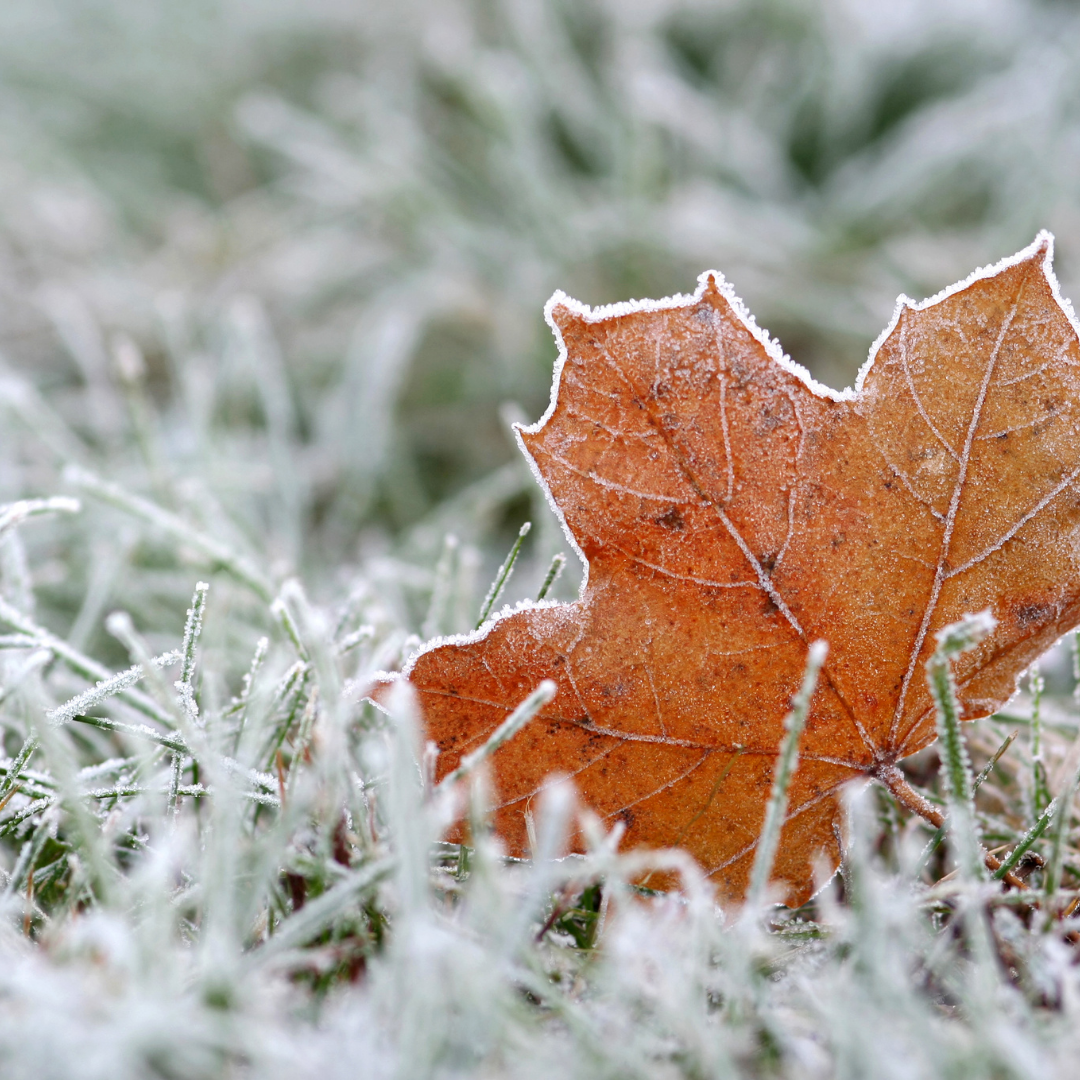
731	511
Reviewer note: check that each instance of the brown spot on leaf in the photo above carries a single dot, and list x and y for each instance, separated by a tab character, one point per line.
672	519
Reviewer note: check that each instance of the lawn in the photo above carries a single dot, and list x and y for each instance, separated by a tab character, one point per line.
272	280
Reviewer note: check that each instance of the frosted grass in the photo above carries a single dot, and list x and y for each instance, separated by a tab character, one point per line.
155	917
272	287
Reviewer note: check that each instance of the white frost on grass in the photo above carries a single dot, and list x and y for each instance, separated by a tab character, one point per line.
403	187
109	688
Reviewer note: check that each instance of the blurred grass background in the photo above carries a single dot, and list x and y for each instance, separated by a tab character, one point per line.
285	262
277	269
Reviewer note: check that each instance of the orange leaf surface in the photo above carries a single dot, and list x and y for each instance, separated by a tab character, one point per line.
730	511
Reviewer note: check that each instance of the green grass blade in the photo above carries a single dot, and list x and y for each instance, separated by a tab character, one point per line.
554	571
503	576
786	762
960	823
1025	844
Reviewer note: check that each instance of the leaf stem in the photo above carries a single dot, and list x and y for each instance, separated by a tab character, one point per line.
911	800
935	840
917	803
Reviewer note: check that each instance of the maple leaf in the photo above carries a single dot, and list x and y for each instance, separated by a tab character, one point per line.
730	511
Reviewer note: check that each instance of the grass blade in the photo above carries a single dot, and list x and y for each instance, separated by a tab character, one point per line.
218	553
503	576
956	775
503	733
553	574
1059	838
1040	787
192	629
1029	838
935	841
786	762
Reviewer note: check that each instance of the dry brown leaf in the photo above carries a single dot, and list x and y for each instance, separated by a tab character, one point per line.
730	511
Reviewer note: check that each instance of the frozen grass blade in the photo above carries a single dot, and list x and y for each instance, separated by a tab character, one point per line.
220	554
169	740
28	856
17	641
1074	654
939	835
302	741
1026	843
14	514
78	662
354	638
554	571
176	772
503	576
180	749
434	621
503	733
185	688
239	706
25	671
280	610
11	779
108	688
1040	787
257	661
127	791
10	825
956	774
1059	837
315	916
786	761
292	696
